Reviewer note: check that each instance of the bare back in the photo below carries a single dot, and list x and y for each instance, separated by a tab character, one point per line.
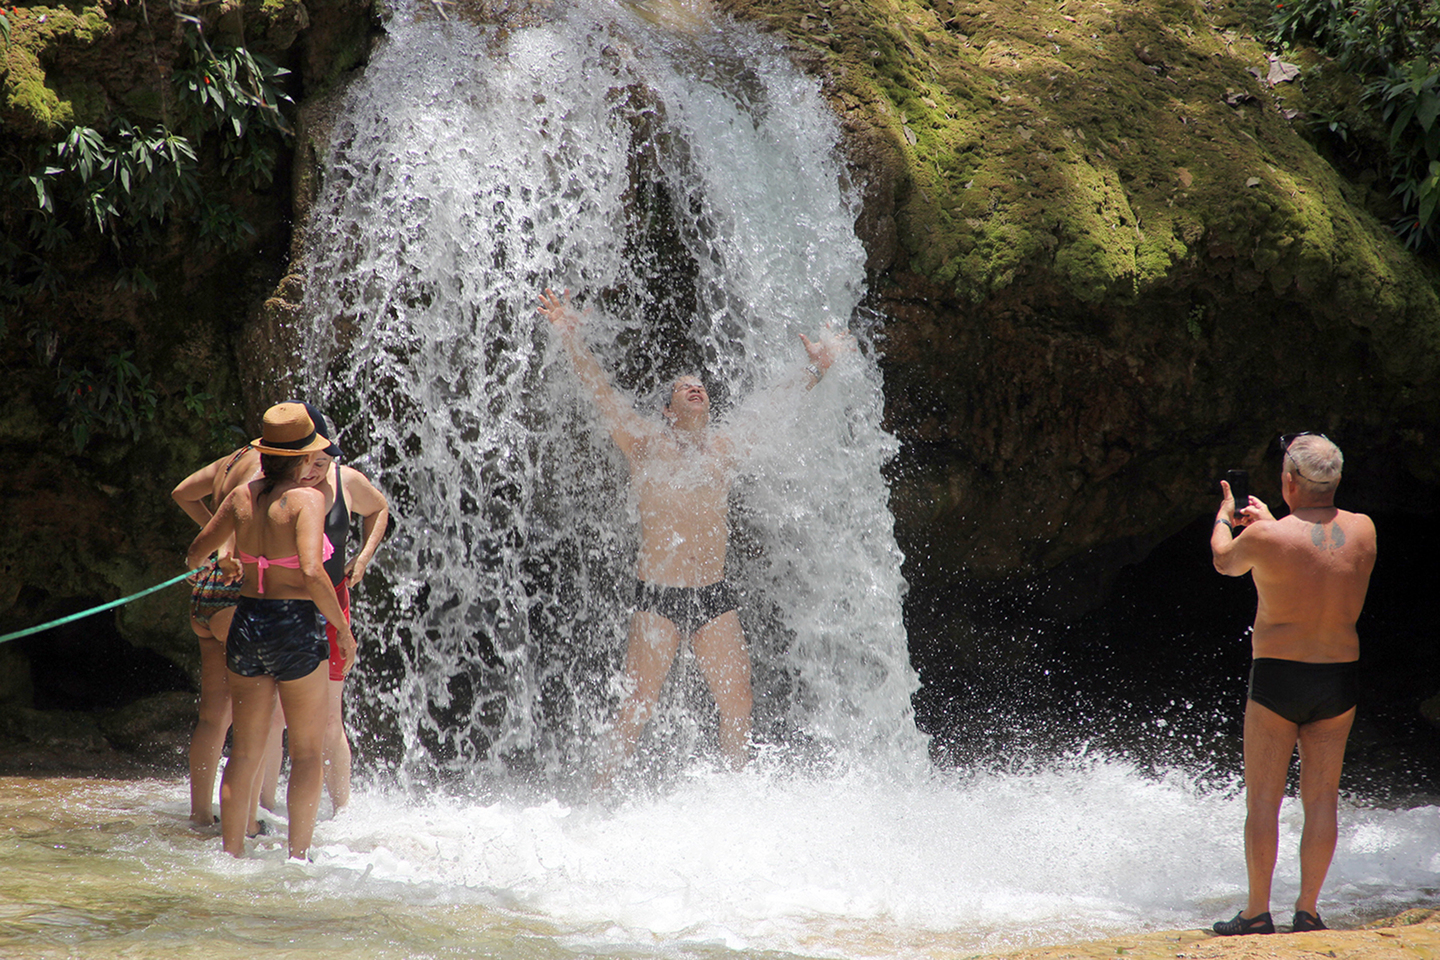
683	487
287	522
1311	575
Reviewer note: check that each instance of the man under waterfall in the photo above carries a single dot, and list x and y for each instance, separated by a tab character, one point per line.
1311	570
681	469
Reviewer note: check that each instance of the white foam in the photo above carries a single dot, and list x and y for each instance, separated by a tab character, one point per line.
765	861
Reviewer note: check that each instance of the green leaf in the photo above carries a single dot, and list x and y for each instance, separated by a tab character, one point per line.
1428	109
1427	208
1398	125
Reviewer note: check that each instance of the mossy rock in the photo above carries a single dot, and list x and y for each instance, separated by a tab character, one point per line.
29	101
1107	149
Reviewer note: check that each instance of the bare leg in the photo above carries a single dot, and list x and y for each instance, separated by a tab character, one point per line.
305	701
253	700
337	748
1269	744
269	772
208	741
648	655
720	650
1322	753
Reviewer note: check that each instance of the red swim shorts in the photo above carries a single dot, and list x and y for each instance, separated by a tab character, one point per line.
342	593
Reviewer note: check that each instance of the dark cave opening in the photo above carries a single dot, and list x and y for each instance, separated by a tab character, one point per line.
87	666
1157	671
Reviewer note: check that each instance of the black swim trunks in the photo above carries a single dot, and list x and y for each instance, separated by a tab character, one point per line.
1303	692
689	608
282	638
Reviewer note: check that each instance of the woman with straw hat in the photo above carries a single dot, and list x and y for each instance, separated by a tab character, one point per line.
277	638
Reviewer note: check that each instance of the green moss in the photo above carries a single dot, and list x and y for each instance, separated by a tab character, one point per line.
86	101
146	104
25	93
350	53
37	36
1107	147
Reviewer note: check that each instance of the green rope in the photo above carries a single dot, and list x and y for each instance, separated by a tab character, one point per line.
104	606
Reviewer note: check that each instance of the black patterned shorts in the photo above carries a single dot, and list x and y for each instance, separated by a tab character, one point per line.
282	638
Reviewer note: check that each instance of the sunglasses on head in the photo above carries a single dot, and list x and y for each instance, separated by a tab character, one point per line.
1288	438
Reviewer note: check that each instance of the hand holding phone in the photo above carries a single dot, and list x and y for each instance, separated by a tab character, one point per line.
1239	481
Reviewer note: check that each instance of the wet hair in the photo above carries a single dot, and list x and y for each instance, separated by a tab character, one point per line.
1314	462
685	375
667	390
276	467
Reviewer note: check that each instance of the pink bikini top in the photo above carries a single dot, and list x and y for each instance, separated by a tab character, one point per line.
289	563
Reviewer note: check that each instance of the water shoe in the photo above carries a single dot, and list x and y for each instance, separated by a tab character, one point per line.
1305	922
1239	925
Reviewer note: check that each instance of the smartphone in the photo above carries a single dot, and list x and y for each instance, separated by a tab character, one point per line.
1239	481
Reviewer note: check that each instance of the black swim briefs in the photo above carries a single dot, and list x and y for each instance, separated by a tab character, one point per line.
282	638
1303	692
689	608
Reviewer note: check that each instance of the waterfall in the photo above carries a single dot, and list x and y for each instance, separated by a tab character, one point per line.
682	177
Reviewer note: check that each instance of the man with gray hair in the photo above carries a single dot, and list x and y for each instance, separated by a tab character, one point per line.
1311	570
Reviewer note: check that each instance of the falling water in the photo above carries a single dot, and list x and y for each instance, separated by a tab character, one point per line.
682	178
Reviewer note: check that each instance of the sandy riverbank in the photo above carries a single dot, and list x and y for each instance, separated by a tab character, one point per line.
1413	935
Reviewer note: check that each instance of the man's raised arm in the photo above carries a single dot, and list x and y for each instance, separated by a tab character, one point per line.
625	425
760	412
824	351
1234	556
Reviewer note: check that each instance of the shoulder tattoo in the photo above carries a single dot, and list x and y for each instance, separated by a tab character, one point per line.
1327	536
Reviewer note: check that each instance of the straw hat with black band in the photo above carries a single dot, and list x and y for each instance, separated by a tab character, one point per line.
289	432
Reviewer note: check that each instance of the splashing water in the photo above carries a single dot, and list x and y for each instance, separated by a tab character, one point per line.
720	866
687	184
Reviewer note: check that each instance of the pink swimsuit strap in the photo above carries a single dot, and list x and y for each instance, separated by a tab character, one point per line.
289	563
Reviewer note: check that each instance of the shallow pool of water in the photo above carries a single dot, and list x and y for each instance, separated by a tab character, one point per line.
761	863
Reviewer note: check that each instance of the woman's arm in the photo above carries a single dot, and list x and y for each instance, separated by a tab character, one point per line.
216	533
374	509
191	492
